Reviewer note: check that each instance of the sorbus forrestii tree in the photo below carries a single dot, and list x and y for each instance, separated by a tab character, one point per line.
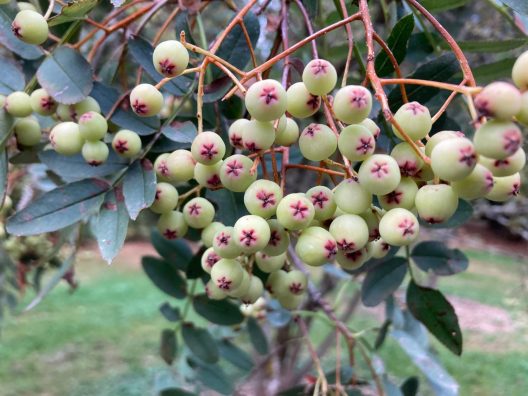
132	112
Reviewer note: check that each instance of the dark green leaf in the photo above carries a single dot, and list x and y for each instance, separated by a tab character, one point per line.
222	312
437	257
212	376
463	213
431	308
229	205
175	392
194	268
235	355
107	96
382	334
184	132
490	72
112	225
442	5
172	314
410	386
200	342
345	374
66	75
257	336
521	6
11	78
217	89
59	208
9	40
72	11
278	316
397	42
139	187
383	280
164	276
168	346
176	252
312	6
488	46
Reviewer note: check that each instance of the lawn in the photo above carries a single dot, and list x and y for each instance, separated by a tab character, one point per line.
103	339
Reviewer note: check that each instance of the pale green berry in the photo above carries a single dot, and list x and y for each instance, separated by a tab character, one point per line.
84	106
402	196
208	148
371	126
66	139
317	142
323	201
270	263
352	260
243	288
505	188
178	166
262	198
372	218
172	225
160	167
266	100
208	175
198	212
254	292
95	153
399	227
352	104
146	100
236	131
224	243
440	137
295	282
281	124
408	161
93	126
378	248
235	173
214	292
316	246
425	174
22	5
209	259
126	143
453	159
350	232
42	103
436	203
476	185
251	233
356	142
379	174
227	274
18	104
276	283
295	212
319	76
170	58
289	135
522	115
65	112
507	166
414	119
301	103
290	302
30	27
279	239
520	72
27	131
499	100
351	197
166	198
258	135
497	139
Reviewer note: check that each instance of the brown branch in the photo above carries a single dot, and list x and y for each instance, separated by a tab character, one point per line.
165	25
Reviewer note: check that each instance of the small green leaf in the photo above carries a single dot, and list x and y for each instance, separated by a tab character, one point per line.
172	314
382	333
112	225
194	268
230	206
437	257
183	132
11	78
234	355
410	386
77	9
490	72
257	336
176	252
222	312
488	46
164	276
201	343
431	308
66	75
397	42
139	187
521	6
442	5
383	280
10	41
212	376
168	346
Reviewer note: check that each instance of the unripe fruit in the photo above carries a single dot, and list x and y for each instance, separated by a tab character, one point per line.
408	161
262	198
30	27
319	76
453	159
227	274
146	100
505	188
317	142
170	58
254	292
507	166
352	104
414	119
208	175
352	260
295	282
289	135
160	166
281	124
126	143
520	71
95	153
65	112
22	5
276	284
522	115
279	239
236	131
235	173
209	259
290	302
425	174
378	248
316	246
178	166
371	217
295	212
440	137
372	127
499	100
323	201
166	198
476	185
198	212
266	100
214	292
399	227
172	225
258	135
42	103
84	106
300	102
208	148
379	174
92	126
356	142
224	243
27	131
351	197
18	104
497	139
66	139
270	263
402	196
436	203
350	232
251	233
243	288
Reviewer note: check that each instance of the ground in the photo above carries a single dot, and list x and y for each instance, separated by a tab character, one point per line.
103	339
